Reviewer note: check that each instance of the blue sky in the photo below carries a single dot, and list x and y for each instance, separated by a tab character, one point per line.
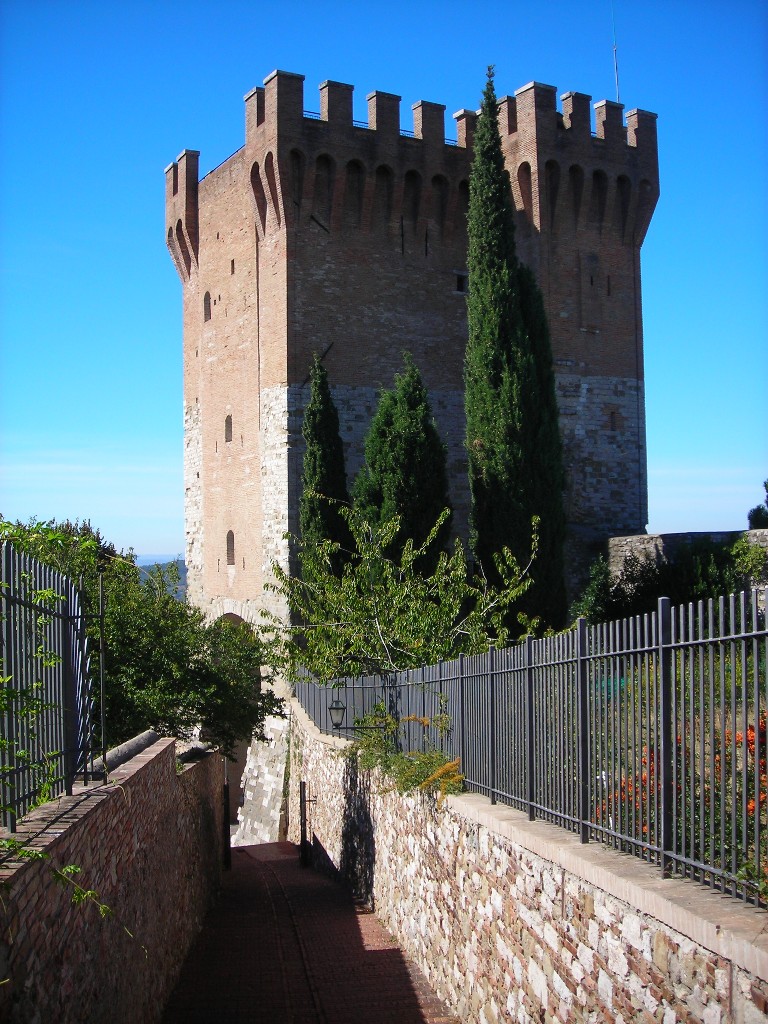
96	99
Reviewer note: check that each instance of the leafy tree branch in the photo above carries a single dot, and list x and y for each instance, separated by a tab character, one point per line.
383	615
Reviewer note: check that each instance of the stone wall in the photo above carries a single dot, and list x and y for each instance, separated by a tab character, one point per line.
149	842
261	818
517	921
658	545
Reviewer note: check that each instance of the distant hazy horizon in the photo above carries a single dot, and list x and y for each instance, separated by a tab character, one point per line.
158	559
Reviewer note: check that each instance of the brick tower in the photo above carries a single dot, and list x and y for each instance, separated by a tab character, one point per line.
326	235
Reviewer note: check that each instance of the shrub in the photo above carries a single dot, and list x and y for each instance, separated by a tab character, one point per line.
698	571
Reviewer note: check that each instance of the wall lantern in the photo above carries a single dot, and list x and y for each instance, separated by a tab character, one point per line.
337	709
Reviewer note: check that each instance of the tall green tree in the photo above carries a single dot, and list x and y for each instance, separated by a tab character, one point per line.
324	479
513	438
404	474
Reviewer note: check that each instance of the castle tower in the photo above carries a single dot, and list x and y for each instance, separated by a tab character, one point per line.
326	235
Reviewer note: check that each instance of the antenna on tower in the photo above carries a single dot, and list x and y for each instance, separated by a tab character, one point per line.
615	54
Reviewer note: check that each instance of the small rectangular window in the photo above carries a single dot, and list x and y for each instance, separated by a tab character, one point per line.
232	267
462	282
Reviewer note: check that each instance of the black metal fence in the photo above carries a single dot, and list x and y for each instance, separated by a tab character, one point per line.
648	734
45	691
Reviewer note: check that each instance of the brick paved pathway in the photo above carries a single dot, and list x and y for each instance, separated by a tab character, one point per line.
286	945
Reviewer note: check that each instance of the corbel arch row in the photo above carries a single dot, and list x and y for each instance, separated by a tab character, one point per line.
352	195
568	193
180	251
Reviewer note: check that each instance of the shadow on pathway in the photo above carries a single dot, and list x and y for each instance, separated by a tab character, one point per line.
287	945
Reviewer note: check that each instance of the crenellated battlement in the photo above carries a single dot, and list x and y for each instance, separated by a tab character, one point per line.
279	106
298	159
532	113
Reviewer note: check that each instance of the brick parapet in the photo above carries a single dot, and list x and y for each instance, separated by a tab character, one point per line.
514	920
149	842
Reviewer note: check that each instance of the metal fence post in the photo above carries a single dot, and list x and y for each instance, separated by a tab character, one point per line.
102	669
423	695
582	680
666	727
304	849
9	668
530	775
69	683
492	723
463	746
440	708
226	833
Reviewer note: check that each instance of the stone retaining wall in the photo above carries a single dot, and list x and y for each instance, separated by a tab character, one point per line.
149	842
517	921
667	545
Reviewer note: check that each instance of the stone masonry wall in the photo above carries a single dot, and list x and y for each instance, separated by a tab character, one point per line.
658	545
149	842
517	921
261	816
590	408
602	424
356	407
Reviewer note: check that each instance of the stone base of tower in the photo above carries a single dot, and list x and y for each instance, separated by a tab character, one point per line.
261	819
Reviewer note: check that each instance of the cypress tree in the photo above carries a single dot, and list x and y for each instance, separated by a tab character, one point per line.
513	439
323	474
405	472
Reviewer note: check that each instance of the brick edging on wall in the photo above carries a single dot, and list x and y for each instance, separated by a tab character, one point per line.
149	843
